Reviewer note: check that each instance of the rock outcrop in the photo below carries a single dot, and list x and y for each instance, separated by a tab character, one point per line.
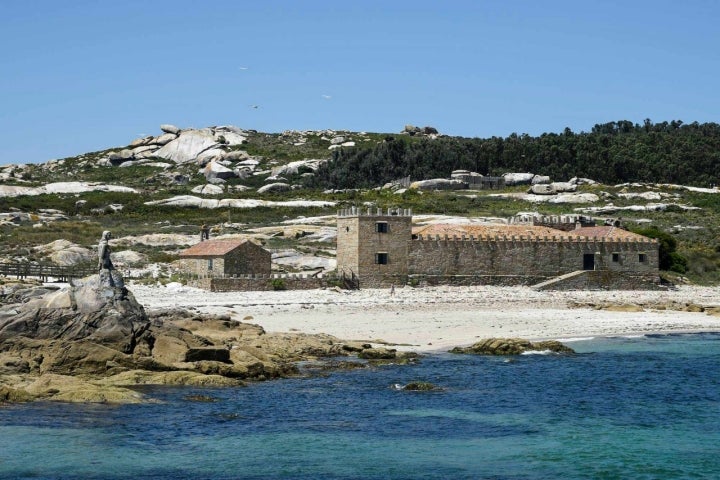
438	184
512	346
62	187
65	253
518	178
98	309
188	145
92	340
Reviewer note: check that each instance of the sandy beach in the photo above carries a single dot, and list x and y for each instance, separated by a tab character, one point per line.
438	318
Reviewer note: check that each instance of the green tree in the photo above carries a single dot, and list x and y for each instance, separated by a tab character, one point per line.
669	258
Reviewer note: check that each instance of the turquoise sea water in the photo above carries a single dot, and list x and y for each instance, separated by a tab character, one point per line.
646	407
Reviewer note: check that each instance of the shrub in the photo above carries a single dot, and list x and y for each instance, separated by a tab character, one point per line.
669	258
278	284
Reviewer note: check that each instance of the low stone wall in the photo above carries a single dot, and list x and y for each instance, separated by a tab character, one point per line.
455	280
606	280
586	280
265	284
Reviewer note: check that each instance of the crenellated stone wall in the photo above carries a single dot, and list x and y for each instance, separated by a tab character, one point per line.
538	257
360	240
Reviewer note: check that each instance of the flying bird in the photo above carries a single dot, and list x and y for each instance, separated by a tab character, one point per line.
253	106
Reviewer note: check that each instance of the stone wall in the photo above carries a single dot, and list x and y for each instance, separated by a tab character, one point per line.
528	257
202	266
263	283
606	280
267	284
456	280
248	259
362	236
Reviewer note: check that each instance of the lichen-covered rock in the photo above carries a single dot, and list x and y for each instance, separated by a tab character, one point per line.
98	308
438	184
187	146
378	354
420	387
512	346
518	178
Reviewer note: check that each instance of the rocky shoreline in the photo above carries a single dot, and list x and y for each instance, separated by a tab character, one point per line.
93	342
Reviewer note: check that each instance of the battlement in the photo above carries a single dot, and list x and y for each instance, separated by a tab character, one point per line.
374	212
530	238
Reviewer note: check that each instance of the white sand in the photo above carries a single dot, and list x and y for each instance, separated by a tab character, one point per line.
428	319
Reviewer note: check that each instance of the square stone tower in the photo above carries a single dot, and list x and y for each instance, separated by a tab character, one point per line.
373	245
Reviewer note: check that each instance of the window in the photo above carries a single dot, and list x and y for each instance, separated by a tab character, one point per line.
381	258
615	257
381	227
642	258
210	264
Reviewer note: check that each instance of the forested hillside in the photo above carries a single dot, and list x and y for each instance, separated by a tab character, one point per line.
614	152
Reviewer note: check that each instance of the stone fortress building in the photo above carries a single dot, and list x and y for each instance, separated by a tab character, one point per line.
382	248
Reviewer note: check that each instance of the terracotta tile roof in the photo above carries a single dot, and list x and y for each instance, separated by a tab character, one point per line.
212	248
526	231
606	232
480	231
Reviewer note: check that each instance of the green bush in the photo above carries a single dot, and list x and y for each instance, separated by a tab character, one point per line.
278	284
669	258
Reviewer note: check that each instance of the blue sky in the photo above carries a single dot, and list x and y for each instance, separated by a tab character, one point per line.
79	76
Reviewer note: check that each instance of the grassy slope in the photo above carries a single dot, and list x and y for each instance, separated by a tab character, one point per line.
700	246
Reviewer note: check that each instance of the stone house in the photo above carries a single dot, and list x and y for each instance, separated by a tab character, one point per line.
226	257
382	248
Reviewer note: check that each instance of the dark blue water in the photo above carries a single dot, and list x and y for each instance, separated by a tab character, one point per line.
644	407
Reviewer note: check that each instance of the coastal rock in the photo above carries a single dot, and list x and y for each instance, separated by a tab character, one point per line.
187	146
420	387
62	187
236	156
167	128
542	189
438	184
128	258
65	253
143	151
229	135
192	201
518	178
540	180
214	155
293	168
164	139
97	308
157	240
214	170
563	187
378	354
140	141
274	188
208	189
512	346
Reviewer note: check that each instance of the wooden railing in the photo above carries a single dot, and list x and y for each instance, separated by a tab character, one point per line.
44	272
